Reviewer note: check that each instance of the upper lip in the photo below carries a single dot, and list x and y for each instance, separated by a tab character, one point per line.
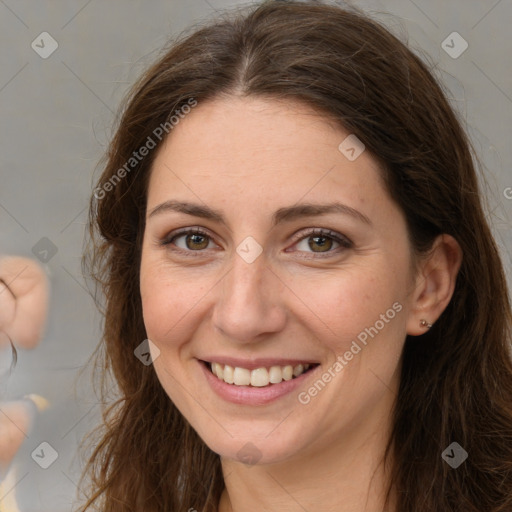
252	364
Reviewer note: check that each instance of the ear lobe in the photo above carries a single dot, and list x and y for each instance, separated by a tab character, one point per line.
435	284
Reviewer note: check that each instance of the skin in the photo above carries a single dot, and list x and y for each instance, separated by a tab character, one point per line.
23	301
24	294
248	157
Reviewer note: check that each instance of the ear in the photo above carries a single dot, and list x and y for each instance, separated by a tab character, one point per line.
435	283
24	293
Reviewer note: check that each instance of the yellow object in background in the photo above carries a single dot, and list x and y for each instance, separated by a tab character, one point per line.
15	431
8	493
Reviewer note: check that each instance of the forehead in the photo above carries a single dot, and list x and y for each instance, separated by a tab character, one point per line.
255	151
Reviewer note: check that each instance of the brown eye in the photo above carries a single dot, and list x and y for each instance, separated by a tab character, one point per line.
188	241
322	242
195	241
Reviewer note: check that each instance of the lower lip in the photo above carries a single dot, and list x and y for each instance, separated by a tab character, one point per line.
249	395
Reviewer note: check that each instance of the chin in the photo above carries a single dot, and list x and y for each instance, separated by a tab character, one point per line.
267	443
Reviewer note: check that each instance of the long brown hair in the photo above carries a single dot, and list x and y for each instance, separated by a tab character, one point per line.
456	381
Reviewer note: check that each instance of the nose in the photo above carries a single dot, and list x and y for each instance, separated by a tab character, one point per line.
249	302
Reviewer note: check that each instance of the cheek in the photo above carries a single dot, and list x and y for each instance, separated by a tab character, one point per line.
169	301
359	311
351	297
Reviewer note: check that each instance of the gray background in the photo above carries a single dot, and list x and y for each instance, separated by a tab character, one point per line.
56	115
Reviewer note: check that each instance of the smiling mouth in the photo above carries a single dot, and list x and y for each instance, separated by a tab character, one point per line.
259	377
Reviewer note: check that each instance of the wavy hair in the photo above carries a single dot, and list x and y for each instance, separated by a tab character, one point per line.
456	380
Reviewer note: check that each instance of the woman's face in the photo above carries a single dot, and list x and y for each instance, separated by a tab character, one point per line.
277	276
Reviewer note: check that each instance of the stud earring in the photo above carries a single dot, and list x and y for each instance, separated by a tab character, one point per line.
424	323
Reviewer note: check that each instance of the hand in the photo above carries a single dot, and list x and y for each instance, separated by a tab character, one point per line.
24	293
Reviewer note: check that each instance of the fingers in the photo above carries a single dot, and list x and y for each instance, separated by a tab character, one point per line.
24	292
16	419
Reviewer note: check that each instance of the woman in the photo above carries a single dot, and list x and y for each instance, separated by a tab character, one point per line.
305	307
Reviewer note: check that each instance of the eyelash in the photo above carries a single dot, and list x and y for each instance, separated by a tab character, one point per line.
344	242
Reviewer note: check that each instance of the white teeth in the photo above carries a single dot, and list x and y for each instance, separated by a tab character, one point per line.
218	370
275	375
259	377
298	370
241	376
287	372
228	374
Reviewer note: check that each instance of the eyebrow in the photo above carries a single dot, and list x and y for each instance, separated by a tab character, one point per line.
285	214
